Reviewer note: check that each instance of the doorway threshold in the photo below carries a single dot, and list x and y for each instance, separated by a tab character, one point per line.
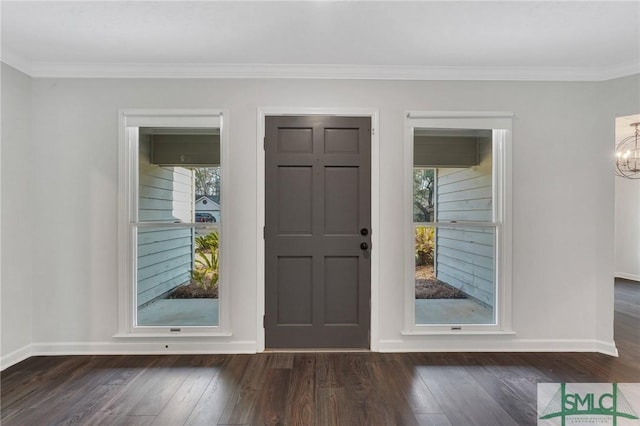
314	350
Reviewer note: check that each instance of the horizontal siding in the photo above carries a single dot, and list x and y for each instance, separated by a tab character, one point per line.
164	261
159	290
457	255
163	267
165	255
162	194
464	199
468	194
469	289
156	234
167	275
155	247
465	256
160	256
468	247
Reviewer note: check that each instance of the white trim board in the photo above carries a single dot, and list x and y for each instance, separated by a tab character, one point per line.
129	120
500	123
148	347
157	347
313	71
16	356
506	344
626	276
262	112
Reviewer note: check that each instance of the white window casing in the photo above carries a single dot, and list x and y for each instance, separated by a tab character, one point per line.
500	123
129	122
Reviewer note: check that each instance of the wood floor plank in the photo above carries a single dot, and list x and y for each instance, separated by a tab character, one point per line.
220	390
30	384
433	420
511	385
326	395
198	377
241	406
388	392
134	396
131	421
281	360
408	382
270	406
462	398
301	392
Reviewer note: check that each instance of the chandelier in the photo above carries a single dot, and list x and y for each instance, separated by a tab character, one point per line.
628	155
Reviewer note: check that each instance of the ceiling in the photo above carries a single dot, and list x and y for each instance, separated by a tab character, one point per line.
512	40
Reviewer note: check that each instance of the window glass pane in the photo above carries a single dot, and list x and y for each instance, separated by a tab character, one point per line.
453	175
178	266
454	266
177	276
455	275
423	194
207	194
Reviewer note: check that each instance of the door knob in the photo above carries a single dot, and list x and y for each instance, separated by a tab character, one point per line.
364	232
364	246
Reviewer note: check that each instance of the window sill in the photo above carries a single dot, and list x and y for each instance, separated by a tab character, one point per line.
457	332
180	334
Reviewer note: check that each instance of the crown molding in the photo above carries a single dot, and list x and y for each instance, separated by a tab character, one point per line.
16	61
300	71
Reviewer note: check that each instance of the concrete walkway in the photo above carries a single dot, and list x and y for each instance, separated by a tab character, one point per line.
204	312
452	311
180	312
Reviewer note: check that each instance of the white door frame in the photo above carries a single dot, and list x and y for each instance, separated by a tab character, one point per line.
375	208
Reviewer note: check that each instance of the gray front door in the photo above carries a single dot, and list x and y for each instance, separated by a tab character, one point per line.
318	232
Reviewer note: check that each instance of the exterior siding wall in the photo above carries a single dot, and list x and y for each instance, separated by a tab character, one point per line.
165	255
465	256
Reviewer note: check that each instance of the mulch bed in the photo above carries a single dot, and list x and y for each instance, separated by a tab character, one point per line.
193	291
429	287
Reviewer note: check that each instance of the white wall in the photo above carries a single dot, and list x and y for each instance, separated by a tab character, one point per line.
562	256
628	228
616	98
17	239
627	258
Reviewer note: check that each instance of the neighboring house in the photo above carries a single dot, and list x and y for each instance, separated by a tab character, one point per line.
208	204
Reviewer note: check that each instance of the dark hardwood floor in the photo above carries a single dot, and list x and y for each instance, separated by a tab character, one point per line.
463	389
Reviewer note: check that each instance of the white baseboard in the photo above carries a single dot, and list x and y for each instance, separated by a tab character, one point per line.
127	348
626	276
249	347
15	357
516	345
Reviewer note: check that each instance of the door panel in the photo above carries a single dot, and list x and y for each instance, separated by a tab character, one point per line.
341	200
341	290
294	200
318	198
295	290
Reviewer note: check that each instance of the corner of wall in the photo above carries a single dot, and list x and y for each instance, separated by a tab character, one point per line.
16	292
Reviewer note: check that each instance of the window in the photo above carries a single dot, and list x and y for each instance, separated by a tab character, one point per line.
171	219
458	229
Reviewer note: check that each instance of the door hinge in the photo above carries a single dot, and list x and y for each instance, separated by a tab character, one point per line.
264	321
264	233
264	143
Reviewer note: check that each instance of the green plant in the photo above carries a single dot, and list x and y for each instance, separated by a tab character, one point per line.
425	242
207	261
